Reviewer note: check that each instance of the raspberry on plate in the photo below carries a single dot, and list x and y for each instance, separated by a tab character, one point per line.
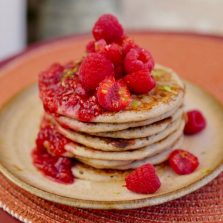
143	180
138	59
94	68
195	122
108	28
113	95
140	82
183	162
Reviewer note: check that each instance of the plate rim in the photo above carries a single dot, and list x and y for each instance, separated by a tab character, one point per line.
106	205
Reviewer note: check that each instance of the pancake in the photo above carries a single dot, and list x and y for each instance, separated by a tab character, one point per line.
157	159
124	165
167	95
111	144
155	148
144	131
103	164
86	172
91	127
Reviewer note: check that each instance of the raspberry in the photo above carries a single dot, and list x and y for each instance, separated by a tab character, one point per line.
195	123
143	180
183	162
113	95
127	45
140	82
119	71
114	53
94	68
90	48
138	59
107	27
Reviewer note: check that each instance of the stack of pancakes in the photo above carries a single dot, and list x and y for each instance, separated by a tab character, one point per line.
145	132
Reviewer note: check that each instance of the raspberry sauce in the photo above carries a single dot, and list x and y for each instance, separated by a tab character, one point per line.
63	91
47	156
51	139
56	168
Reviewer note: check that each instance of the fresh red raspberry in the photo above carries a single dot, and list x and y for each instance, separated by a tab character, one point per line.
143	180
127	45
138	59
119	71
195	123
93	69
183	162
114	53
113	95
107	27
90	47
140	82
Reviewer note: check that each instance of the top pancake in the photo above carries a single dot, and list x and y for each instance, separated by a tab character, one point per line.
167	95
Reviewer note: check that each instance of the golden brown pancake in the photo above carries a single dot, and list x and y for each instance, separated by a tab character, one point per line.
117	144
